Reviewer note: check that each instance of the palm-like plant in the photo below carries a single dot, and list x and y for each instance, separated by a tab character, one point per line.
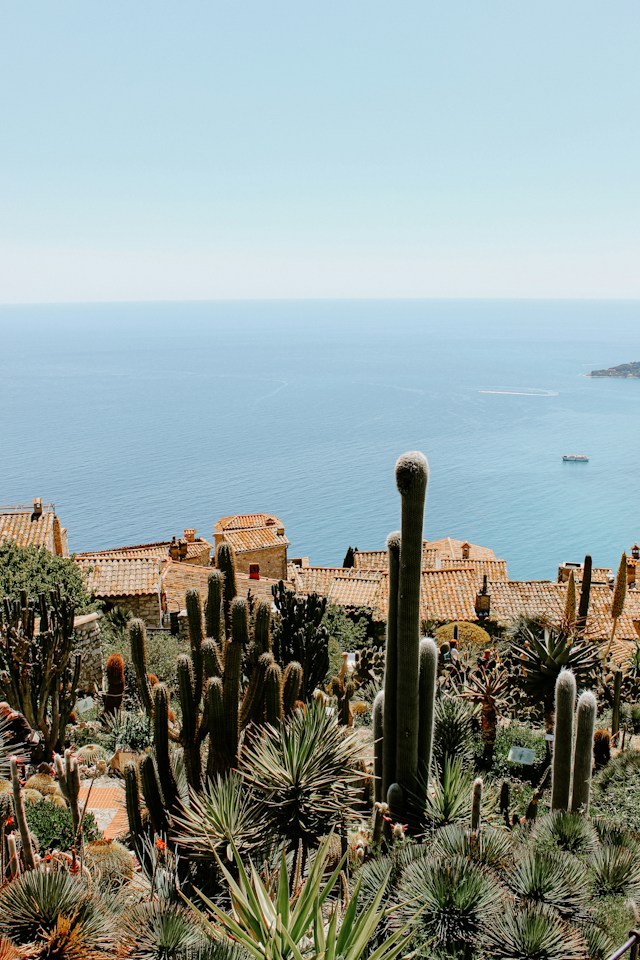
532	932
453	731
457	898
270	923
490	847
448	800
161	930
225	813
303	774
488	688
541	652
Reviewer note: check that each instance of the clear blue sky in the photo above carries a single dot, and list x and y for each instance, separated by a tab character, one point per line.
291	148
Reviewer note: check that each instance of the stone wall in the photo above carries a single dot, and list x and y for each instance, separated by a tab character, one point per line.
89	646
272	562
146	607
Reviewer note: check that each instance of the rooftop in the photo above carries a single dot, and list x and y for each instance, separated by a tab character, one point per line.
34	524
120	576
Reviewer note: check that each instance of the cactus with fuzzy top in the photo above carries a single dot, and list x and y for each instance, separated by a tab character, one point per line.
476	804
114	669
563	740
378	741
583	758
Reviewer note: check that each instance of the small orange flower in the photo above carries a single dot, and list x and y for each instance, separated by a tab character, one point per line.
160	845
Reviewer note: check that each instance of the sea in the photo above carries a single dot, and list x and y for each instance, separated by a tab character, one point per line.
141	419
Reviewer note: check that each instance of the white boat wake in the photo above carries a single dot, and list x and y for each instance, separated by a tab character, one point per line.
523	393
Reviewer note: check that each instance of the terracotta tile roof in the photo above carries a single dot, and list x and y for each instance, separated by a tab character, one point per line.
448	594
259	538
358	589
247	521
308	580
119	576
492	569
450	549
379	560
198	549
178	578
29	529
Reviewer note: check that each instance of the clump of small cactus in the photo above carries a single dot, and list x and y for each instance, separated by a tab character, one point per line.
110	859
114	669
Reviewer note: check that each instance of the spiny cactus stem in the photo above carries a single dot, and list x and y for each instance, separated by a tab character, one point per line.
563	740
583	760
476	804
378	743
28	856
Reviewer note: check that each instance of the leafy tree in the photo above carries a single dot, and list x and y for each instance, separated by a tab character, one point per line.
37	571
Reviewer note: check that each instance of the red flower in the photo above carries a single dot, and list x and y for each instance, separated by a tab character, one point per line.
160	845
8	822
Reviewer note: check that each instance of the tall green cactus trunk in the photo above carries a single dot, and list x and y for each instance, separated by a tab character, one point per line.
428	687
563	740
583	761
411	480
391	667
585	594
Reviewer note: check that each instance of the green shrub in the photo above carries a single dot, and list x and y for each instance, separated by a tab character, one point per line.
52	826
36	570
616	789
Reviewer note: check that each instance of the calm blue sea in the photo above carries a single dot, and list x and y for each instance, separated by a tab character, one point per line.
138	420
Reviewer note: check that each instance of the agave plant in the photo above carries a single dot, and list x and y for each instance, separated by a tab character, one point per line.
569	832
615	870
490	847
532	932
161	930
448	800
225	813
457	898
541	652
488	687
303	774
50	907
270	923
555	879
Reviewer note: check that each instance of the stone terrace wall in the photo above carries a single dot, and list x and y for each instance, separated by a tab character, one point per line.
89	646
272	562
146	607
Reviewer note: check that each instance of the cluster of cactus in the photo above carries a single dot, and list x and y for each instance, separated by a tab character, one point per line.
301	636
342	687
572	752
403	714
38	672
229	682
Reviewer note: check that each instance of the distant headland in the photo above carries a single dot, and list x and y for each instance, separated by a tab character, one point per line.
628	370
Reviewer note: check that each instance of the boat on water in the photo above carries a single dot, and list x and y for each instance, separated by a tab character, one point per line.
575	458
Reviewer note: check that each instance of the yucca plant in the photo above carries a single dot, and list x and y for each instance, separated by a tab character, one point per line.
303	775
555	879
456	898
270	923
532	932
448	800
225	812
569	832
541	652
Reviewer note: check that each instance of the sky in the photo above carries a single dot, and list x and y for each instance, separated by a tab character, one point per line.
156	150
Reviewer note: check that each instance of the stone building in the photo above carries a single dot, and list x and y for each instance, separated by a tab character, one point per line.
258	541
35	524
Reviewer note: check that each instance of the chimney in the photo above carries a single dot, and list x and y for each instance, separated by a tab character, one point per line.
280	531
183	547
635	551
254	571
174	549
190	535
483	601
37	506
466	550
631	574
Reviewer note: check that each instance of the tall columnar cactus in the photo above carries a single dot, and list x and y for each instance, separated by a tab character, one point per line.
138	643
292	680
190	732
411	480
378	742
194	616
226	563
262	628
428	687
391	667
28	856
69	781
299	634
166	775
585	594
583	761
476	804
617	603
563	740
617	691
214	607
569	617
